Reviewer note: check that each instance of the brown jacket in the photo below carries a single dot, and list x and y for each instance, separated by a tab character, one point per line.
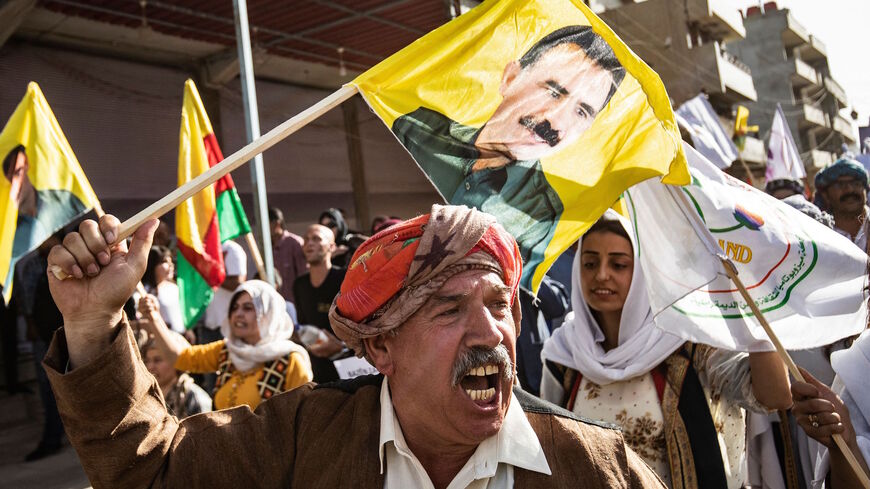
318	437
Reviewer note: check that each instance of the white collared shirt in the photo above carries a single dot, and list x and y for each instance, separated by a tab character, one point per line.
860	239
490	467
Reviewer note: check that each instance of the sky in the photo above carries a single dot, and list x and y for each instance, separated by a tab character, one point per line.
842	25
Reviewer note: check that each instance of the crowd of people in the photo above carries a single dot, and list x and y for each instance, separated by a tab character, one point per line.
484	384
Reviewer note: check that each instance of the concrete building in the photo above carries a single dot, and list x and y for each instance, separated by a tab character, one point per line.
686	43
790	67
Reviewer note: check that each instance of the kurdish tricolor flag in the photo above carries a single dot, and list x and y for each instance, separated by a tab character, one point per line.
43	187
533	111
207	219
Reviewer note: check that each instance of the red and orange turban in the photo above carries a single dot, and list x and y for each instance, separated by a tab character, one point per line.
395	271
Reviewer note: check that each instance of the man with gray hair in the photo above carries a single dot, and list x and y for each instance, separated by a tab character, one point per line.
431	302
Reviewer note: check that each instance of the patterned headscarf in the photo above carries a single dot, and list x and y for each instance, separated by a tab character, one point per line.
395	271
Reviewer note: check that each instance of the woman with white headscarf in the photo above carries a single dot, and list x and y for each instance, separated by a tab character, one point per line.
679	404
255	360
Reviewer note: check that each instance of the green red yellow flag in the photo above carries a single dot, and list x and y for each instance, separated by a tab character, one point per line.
207	219
43	186
533	111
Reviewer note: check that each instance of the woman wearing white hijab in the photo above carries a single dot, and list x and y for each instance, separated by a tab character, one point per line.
255	360
679	404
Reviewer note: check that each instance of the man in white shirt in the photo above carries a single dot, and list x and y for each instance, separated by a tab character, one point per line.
432	305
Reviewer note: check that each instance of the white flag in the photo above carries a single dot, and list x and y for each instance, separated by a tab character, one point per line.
807	279
708	137
783	159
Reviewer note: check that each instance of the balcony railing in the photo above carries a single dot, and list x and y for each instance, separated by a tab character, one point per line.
837	91
813	117
818	158
794	34
720	18
814	50
844	127
804	74
735	76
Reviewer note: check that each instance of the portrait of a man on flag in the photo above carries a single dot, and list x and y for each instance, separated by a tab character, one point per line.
40	211
550	97
534	112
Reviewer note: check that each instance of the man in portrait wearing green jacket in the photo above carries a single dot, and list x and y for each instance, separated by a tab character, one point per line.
550	97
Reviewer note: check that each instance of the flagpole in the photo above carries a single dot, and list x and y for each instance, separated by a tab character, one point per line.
98	210
230	163
707	239
255	254
792	367
252	127
752	180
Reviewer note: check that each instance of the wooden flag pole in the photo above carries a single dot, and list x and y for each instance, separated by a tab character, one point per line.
255	254
792	367
98	209
235	160
749	174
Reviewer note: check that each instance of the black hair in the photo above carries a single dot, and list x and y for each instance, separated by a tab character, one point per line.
157	255
11	157
606	224
595	47
336	216
275	214
235	298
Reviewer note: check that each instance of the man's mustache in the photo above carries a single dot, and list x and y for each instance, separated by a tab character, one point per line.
850	195
542	129
482	356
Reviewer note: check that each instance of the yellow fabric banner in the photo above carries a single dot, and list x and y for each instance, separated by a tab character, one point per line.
43	188
533	111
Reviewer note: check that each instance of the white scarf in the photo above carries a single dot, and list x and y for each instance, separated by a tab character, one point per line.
274	324
852	366
578	343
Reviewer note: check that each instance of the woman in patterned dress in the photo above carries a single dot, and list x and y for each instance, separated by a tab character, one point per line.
255	360
680	405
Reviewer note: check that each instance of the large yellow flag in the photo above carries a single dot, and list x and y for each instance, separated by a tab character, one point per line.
43	187
533	111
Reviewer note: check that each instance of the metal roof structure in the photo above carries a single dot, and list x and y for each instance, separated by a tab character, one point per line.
350	35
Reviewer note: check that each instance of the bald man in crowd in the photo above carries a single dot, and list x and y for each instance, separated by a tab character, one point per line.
314	292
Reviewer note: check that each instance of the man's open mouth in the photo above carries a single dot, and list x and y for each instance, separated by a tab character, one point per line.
481	383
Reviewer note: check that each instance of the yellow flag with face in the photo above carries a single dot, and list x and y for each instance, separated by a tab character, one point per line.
43	186
533	111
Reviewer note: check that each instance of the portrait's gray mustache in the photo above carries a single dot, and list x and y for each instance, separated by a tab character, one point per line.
481	356
543	129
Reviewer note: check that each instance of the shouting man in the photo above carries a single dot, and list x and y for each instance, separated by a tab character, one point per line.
432	303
